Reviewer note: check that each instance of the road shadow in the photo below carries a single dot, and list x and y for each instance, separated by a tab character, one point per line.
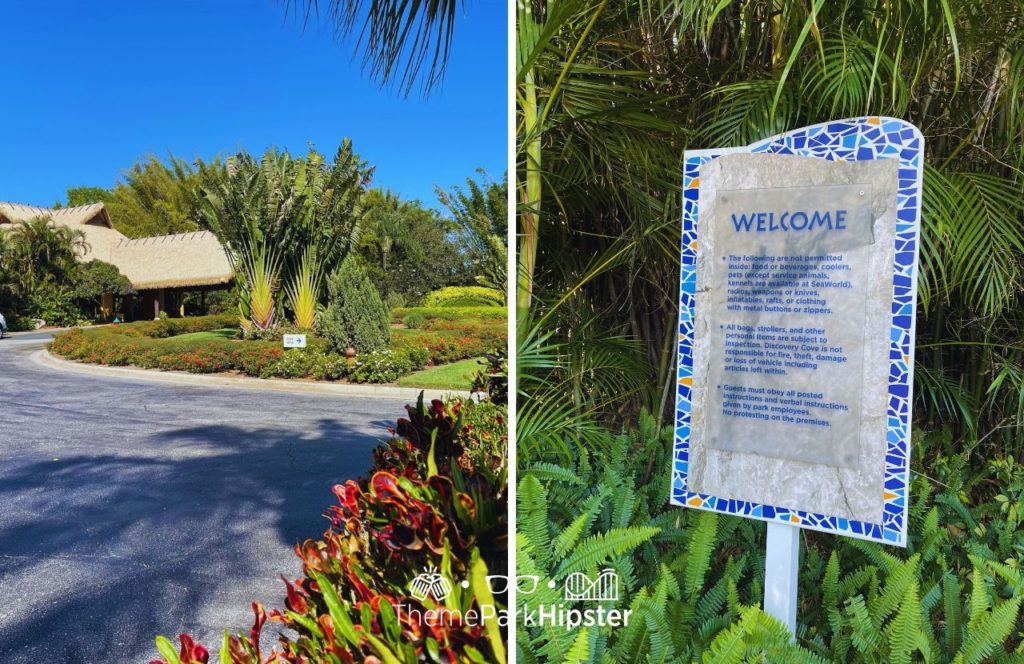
99	553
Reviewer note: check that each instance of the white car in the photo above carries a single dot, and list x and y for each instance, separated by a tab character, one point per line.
3	326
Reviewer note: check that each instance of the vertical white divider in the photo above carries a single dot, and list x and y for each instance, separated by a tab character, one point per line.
781	565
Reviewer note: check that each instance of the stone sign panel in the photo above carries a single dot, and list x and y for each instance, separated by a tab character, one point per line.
796	325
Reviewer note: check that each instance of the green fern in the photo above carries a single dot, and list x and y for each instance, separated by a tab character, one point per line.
697	560
986	632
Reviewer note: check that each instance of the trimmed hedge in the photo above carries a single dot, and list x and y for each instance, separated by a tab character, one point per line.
151	345
452	313
465	296
104	346
172	327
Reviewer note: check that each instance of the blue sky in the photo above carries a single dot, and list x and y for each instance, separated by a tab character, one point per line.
88	88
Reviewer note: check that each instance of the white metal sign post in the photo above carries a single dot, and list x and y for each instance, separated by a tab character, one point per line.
781	566
798	288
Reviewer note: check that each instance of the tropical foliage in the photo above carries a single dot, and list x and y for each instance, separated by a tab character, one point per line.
609	95
302	215
409	250
304	290
401	43
436	499
694	580
258	277
480	213
153	197
287	203
97	278
41	276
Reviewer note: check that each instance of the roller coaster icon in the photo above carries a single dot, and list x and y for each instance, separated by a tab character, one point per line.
605	588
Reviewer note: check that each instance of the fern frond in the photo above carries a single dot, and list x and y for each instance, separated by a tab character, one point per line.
987	633
595	550
697	559
533	517
903	631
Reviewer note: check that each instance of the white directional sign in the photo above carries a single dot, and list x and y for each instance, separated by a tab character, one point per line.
295	341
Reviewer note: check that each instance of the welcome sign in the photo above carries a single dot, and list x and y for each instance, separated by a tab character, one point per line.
795	356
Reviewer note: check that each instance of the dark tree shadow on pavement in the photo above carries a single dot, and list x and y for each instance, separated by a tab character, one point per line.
101	552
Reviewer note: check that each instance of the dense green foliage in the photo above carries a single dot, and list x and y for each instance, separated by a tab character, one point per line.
153	197
601	200
452	313
299	216
465	296
694	579
41	276
609	95
356	316
96	278
286	203
480	213
407	249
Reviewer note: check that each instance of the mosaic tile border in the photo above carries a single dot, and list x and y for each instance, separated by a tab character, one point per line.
854	139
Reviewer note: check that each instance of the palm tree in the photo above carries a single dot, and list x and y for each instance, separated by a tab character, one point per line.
383	220
480	212
44	253
401	42
610	94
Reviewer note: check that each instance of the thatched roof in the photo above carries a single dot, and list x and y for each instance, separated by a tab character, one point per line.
165	261
92	220
173	261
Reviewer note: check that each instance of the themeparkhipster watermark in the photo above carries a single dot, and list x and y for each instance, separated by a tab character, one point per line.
584	602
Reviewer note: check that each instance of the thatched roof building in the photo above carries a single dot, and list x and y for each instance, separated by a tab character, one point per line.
161	268
183	260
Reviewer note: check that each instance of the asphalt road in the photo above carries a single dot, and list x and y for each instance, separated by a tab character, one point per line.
131	508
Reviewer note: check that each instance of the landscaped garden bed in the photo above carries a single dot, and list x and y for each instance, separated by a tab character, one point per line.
204	345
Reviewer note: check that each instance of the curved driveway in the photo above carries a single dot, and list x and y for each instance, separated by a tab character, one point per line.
131	508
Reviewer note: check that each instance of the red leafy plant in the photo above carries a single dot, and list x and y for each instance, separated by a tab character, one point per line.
421	509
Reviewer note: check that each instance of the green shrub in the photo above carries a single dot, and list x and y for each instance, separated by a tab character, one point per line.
253	358
452	313
54	304
414	321
484	435
20	324
465	296
396	300
387	365
172	327
451	340
697	578
355	316
308	363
